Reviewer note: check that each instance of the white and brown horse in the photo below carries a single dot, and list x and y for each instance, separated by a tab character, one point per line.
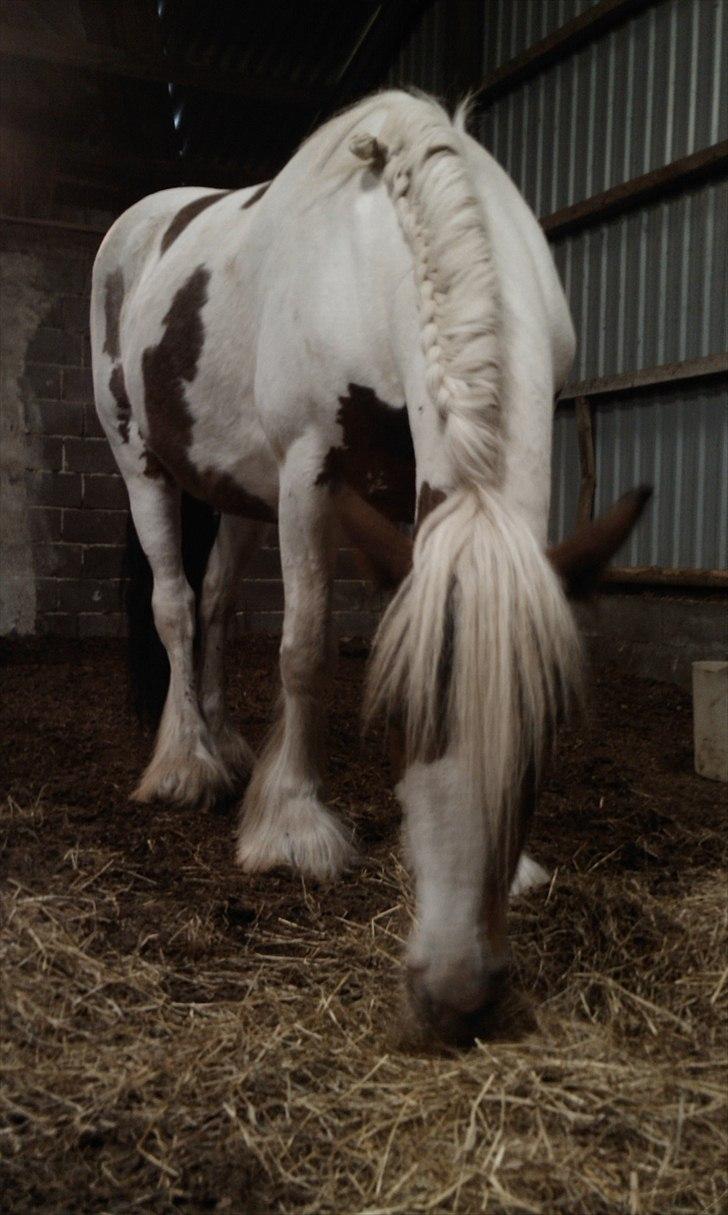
384	315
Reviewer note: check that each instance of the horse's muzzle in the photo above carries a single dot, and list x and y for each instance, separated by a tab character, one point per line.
458	1016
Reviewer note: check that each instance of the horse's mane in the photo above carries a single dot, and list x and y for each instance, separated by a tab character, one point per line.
512	656
419	151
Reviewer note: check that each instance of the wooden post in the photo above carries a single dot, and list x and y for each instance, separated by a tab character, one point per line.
587	461
710	719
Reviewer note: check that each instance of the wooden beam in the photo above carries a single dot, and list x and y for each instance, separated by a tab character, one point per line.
709	162
110	60
587	461
712	366
54	225
78	160
654	575
590	24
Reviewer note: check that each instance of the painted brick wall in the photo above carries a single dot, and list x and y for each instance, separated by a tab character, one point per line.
64	507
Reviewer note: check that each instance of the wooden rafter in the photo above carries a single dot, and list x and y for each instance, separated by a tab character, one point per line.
678	175
711	366
113	167
108	60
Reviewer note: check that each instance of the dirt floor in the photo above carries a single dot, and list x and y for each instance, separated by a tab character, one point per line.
179	1036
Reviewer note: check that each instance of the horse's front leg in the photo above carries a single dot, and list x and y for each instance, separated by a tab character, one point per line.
284	821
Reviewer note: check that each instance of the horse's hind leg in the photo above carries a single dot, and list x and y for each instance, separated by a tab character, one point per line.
235	543
284	820
185	767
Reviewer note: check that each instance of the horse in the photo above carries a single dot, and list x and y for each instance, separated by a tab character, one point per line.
384	315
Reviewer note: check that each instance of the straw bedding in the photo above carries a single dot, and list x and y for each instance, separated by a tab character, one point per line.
176	1036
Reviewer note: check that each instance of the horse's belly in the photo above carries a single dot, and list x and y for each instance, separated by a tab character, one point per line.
215	449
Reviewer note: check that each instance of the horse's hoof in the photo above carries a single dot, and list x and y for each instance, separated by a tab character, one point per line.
300	834
197	778
237	756
529	875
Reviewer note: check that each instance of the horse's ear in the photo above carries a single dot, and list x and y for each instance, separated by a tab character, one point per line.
581	559
387	551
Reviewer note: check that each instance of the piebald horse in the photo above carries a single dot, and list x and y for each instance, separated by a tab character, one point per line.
384	316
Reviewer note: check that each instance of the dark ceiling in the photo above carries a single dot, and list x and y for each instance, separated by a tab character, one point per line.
105	100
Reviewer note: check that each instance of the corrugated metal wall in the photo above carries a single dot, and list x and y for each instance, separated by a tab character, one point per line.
647	287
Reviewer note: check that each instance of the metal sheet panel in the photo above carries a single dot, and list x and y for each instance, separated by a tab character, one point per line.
676	439
647	287
512	27
422	60
648	92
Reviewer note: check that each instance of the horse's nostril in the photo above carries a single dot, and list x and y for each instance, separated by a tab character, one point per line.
458	1018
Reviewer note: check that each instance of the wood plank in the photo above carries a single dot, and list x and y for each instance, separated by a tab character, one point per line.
708	162
590	24
653	575
79	161
587	461
710	367
58	225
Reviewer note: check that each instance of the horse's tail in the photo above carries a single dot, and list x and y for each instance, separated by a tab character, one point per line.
146	656
478	651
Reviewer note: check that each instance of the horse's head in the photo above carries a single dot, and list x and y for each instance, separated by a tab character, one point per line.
579	561
457	954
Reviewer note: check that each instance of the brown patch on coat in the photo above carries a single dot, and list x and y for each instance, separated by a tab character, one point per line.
376	455
166	369
255	196
113	300
428	500
186	214
117	387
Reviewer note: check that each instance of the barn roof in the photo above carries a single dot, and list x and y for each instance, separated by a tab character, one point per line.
105	100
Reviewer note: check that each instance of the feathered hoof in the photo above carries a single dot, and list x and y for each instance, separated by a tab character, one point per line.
301	835
529	876
237	756
194	778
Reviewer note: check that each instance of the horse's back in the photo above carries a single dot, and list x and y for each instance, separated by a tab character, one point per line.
135	237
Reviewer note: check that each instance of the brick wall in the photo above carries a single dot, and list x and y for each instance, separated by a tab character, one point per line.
63	504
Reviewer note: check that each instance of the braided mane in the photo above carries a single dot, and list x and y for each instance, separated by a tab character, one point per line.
481	597
419	154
